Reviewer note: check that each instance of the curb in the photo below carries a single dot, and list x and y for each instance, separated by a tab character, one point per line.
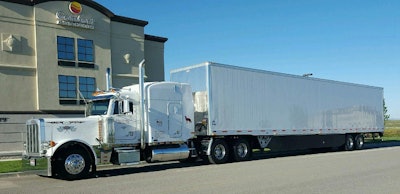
17	174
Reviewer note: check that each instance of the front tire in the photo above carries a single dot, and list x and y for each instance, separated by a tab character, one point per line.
73	164
219	152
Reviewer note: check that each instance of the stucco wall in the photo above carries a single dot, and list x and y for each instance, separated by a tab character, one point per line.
17	58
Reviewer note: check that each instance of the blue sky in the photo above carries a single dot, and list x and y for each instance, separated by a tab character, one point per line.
346	40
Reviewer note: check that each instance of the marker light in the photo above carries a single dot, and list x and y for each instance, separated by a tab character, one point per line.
52	143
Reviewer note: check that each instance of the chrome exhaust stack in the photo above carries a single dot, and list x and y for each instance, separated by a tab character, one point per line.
142	107
108	79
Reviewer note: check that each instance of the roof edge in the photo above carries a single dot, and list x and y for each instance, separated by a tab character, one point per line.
91	4
127	20
155	38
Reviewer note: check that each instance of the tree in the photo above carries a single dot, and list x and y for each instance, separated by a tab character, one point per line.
385	115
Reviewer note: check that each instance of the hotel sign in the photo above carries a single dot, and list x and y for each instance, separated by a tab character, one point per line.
75	7
74	19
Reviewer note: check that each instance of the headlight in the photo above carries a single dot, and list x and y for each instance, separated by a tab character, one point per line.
47	145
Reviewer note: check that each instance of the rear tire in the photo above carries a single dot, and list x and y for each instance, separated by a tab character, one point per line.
241	150
73	164
359	141
219	152
349	143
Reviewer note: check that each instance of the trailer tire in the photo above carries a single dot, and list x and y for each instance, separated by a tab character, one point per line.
349	143
241	150
73	164
219	152
359	141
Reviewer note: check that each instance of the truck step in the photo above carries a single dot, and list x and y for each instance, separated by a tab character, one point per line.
193	152
129	163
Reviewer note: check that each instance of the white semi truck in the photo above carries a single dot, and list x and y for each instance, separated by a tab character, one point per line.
211	111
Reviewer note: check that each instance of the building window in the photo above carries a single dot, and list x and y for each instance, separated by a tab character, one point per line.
68	92
85	50
87	86
67	86
67	56
65	48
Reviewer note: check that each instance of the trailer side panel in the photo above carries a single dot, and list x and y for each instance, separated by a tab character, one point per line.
244	101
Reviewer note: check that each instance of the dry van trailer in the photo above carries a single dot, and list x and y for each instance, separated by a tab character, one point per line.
237	109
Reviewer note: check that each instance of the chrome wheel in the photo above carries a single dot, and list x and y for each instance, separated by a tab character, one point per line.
219	152
74	164
359	141
349	144
242	150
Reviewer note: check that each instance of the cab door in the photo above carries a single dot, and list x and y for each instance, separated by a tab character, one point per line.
125	123
175	120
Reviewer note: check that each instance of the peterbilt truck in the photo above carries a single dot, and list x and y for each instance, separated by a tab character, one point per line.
210	112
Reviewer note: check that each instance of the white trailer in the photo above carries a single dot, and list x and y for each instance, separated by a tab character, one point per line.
245	108
211	111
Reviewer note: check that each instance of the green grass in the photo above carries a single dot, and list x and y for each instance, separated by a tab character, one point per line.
18	165
392	124
392	128
10	166
392	133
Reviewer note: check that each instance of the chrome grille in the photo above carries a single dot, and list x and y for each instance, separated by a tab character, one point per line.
32	138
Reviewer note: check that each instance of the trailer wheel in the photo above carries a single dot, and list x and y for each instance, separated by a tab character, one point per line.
359	141
241	150
219	152
349	143
73	164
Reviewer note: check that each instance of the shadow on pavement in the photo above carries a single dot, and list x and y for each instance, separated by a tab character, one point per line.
382	144
143	168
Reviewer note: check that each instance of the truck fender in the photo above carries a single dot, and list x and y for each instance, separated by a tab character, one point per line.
54	149
209	146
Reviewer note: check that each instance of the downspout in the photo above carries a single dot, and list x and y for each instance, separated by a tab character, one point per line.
142	107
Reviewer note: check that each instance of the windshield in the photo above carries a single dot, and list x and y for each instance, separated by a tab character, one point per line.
97	107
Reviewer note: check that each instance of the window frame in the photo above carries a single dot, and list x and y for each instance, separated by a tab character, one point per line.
85	50
73	90
63	46
67	86
87	88
75	52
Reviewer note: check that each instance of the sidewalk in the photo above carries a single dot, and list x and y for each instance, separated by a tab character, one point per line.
10	154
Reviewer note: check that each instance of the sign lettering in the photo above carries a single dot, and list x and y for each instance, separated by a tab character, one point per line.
74	21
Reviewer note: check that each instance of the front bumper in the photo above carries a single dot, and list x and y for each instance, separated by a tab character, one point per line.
40	165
